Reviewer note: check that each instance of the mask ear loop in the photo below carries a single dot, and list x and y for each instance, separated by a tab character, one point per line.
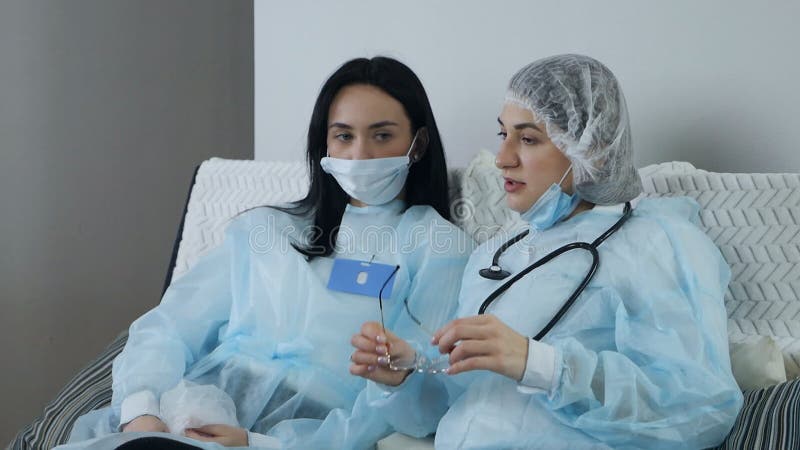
565	175
408	153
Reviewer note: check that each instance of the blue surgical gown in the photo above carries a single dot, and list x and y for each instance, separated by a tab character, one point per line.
641	359
255	318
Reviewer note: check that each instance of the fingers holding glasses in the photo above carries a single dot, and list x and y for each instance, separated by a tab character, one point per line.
483	342
366	365
458	330
371	358
365	356
368	358
373	338
365	344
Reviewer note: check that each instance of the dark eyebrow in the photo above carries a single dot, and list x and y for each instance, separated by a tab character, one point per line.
385	123
520	126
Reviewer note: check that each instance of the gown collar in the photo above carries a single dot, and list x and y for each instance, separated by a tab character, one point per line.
393	207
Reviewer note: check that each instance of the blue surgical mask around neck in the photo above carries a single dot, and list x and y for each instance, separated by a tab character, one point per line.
551	207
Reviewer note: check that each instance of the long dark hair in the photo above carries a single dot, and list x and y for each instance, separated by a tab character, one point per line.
427	178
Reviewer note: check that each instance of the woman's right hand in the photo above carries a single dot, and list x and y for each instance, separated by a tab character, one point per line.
145	423
370	360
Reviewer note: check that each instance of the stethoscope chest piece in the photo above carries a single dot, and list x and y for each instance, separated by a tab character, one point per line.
494	272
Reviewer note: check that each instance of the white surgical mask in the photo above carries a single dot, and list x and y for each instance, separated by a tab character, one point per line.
551	207
373	181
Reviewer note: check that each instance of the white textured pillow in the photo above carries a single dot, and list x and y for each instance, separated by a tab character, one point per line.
667	168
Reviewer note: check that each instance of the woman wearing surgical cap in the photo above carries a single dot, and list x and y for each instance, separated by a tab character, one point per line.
639	359
251	346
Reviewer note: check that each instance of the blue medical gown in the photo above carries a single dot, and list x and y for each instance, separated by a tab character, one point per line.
641	358
254	318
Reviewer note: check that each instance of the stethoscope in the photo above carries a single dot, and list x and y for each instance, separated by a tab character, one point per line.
495	272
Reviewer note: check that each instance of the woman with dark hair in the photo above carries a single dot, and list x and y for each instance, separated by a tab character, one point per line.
251	346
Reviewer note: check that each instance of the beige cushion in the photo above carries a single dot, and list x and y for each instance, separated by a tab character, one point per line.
757	362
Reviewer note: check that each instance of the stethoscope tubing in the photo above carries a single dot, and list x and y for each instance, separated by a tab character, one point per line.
592	248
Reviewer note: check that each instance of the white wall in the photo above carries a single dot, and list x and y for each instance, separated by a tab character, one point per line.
712	82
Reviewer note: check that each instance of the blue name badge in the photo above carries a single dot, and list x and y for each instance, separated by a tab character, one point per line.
362	277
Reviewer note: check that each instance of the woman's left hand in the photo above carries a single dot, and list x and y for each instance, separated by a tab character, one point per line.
371	358
226	435
483	342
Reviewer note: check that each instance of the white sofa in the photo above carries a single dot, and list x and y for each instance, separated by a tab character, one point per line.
753	218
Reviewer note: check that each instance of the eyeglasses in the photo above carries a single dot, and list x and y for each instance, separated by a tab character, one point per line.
419	362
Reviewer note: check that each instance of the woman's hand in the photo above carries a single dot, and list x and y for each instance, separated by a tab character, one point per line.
371	358
222	434
483	342
145	423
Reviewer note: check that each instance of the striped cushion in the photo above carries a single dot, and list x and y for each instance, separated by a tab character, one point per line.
770	419
89	389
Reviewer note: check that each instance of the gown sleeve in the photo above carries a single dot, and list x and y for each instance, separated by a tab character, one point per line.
183	328
663	379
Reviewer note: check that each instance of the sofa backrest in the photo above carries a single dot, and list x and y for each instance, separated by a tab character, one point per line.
753	218
755	221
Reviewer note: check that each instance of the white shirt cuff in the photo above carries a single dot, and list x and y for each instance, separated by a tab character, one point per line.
142	403
262	441
540	369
